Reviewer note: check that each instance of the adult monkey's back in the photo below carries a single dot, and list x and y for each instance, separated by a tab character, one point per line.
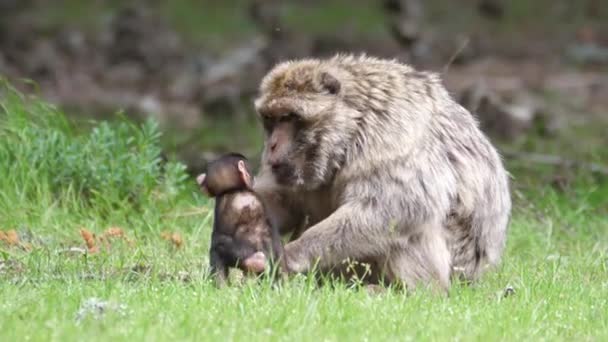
383	165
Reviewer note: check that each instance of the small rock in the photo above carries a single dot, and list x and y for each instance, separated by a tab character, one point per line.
508	291
43	61
266	14
73	250
406	17
98	308
508	117
123	74
588	53
151	105
72	42
491	9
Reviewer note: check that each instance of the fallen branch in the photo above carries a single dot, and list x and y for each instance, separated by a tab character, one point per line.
548	159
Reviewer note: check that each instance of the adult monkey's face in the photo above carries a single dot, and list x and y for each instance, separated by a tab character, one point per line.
306	132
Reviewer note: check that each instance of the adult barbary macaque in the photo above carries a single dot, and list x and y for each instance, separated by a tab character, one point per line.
242	236
383	165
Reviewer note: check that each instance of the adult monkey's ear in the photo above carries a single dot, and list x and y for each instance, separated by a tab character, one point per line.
330	83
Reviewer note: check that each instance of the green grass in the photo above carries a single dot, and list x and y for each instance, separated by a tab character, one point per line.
52	185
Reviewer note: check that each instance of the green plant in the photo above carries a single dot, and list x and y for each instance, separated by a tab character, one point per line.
112	163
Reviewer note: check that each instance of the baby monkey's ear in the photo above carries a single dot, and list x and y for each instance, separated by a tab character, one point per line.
201	182
244	174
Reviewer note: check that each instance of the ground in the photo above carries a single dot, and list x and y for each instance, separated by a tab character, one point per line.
556	263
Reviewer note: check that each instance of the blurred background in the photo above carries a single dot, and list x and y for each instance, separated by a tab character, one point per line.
534	72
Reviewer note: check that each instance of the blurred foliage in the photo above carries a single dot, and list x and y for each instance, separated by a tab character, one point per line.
218	25
113	162
218	22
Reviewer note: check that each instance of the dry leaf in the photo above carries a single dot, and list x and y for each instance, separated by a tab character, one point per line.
117	232
104	239
89	239
177	239
114	232
10	237
174	238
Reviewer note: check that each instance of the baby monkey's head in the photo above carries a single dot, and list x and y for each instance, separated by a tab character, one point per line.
230	172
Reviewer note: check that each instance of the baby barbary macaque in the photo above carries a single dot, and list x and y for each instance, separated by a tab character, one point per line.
242	236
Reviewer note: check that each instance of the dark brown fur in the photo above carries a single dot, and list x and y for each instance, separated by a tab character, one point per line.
240	227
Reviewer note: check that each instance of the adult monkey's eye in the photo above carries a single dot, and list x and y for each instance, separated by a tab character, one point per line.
268	123
291	116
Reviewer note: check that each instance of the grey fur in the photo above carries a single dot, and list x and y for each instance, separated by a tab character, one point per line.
396	171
